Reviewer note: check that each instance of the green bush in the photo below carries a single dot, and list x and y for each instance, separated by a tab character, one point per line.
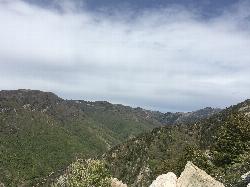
85	173
232	139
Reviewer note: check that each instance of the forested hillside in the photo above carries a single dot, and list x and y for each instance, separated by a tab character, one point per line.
220	145
41	134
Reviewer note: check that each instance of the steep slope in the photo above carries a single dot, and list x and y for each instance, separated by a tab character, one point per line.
41	133
220	145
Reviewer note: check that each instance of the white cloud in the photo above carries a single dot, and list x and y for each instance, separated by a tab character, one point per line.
167	59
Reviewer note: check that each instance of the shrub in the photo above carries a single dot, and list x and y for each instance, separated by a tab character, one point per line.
85	173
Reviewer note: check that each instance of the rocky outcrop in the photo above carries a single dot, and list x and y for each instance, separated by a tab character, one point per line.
246	177
165	180
116	183
192	176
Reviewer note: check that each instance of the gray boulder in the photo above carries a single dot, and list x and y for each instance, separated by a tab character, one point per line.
116	183
246	177
192	176
165	180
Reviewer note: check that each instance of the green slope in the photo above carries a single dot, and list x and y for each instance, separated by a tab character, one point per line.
220	145
33	145
41	133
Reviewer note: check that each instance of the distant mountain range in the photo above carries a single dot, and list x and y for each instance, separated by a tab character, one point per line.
40	133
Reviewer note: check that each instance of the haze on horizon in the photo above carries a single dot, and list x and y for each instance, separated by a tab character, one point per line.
160	55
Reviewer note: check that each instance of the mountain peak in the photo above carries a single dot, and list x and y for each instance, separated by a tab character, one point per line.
28	96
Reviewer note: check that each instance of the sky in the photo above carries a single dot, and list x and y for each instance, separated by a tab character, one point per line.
166	55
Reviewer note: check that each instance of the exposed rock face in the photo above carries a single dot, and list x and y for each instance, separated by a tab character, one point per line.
116	183
192	176
165	180
246	177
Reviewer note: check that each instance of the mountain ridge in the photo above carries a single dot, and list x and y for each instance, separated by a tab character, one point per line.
219	144
42	133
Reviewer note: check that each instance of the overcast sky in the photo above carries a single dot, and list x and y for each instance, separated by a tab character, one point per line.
158	55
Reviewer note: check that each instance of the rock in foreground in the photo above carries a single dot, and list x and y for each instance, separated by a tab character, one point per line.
165	180
192	176
116	183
